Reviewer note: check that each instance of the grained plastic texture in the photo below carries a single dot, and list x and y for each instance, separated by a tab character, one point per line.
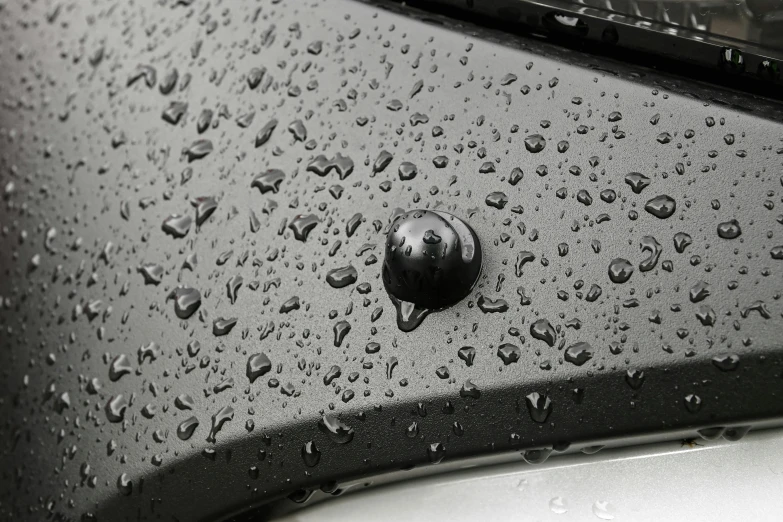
195	203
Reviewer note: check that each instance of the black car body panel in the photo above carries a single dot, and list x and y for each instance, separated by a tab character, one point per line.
127	396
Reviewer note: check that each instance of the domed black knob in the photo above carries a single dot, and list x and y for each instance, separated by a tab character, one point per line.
432	259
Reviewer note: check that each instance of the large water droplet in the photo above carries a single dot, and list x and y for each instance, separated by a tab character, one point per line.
257	365
637	181
620	270
311	454
662	206
186	301
337	430
187	427
543	330
436	452
535	143
268	181
224	415
578	353
729	229
302	225
115	408
341	277
538	406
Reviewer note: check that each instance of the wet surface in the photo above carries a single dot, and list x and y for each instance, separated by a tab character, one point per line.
196	319
432	260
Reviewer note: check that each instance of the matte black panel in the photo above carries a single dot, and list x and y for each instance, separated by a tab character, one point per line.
93	170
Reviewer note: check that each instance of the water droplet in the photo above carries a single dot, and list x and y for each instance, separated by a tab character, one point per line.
579	353
341	277
558	505
467	354
115	408
523	258
119	366
735	433
302	225
469	389
184	402
651	245
290	305
382	161
266	132
255	76
620	270
543	331
538	406
338	431
692	403
682	241
661	206
489	306
436	452
205	206
535	143
152	274
125	484
727	362
729	229
198	150
603	510
232	287
634	378
637	182
174	111
187	427
536	456
258	364
310	454
497	200
407	171
223	326
699	292
341	329
565	24
268	181
186	301
711	433
509	353
352	224
224	415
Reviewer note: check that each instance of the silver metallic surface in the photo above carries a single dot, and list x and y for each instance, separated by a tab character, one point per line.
696	480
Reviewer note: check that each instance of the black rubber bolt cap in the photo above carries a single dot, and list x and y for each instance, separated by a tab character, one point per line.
432	259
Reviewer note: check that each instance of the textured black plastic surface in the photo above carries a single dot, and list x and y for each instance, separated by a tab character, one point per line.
107	365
